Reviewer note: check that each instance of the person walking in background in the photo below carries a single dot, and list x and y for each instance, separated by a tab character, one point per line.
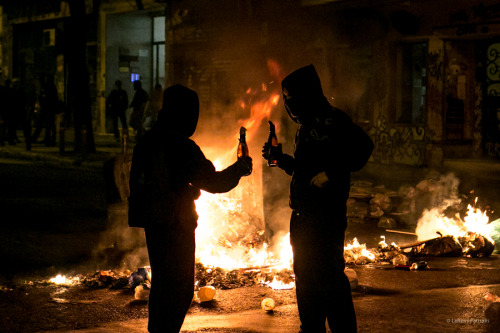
138	105
117	104
328	146
167	173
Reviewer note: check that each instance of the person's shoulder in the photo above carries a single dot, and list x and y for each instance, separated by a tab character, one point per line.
336	117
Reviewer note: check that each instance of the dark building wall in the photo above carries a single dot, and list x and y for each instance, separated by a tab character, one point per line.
357	48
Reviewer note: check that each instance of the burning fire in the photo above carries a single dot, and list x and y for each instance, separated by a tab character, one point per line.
231	225
63	280
434	221
358	252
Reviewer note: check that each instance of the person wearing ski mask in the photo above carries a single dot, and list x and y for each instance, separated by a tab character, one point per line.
167	173
328	147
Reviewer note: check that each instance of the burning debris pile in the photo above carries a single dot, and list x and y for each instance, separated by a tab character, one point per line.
216	277
441	230
244	277
469	237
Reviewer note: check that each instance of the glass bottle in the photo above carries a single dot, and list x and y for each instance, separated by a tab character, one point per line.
272	142
242	146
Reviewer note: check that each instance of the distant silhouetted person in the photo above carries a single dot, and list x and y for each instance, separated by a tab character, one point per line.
117	104
328	146
138	106
49	107
167	173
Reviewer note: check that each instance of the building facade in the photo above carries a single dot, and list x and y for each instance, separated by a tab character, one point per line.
421	77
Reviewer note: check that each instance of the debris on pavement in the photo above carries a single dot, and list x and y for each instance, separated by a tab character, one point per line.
267	304
492	298
206	293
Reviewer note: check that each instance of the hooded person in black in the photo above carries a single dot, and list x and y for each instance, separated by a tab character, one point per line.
328	146
167	173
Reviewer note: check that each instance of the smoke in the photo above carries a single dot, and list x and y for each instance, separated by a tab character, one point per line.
439	195
120	247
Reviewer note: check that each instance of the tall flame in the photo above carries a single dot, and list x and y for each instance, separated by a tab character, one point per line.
231	225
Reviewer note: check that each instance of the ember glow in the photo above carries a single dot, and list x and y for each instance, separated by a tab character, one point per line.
63	280
280	285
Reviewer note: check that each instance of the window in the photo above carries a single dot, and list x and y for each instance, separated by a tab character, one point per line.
158	49
411	83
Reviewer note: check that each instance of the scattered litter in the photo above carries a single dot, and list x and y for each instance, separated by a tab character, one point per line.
138	277
353	277
400	259
267	304
142	292
206	293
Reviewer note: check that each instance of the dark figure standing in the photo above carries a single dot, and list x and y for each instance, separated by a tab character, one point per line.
117	104
328	146
49	104
168	170
138	106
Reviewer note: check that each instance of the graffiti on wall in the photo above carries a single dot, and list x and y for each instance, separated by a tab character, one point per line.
493	149
403	144
435	64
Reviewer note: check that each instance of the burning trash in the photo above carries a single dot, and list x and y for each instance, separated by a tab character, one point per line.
356	253
243	277
469	236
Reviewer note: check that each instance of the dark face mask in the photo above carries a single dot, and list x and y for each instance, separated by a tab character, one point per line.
295	107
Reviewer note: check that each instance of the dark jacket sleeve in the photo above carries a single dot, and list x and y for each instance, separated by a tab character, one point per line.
287	163
204	176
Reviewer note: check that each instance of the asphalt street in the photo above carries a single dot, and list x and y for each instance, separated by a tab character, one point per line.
54	206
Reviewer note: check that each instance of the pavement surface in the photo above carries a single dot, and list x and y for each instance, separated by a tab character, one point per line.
448	297
64	155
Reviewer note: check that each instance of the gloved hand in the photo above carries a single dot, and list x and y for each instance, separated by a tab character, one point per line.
273	152
245	165
319	180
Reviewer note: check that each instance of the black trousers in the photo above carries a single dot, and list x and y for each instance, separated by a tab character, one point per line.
123	119
172	260
322	288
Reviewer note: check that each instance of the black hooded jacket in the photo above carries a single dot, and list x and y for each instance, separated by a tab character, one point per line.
326	141
169	169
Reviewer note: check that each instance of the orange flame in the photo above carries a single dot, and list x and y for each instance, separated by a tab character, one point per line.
434	221
261	110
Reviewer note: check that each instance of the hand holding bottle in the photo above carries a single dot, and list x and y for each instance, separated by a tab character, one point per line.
244	160
272	150
245	165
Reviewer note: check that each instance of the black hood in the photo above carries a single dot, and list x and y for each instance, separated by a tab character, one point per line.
180	110
302	93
